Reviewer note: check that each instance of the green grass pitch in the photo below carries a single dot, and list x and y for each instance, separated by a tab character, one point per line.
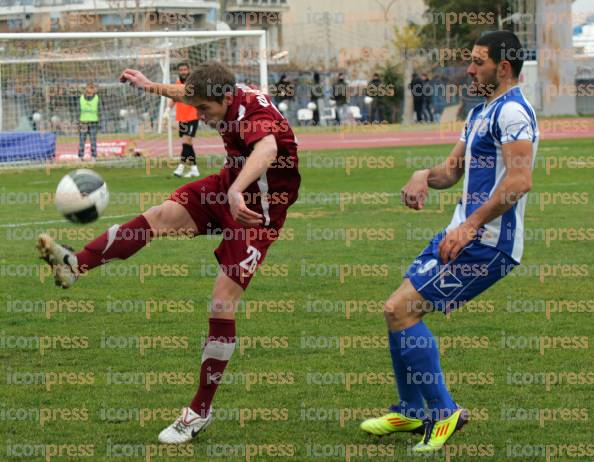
87	374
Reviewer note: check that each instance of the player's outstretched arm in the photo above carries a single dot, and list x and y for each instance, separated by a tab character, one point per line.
261	158
137	79
442	176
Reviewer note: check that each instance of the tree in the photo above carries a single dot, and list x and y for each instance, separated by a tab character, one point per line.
458	23
391	77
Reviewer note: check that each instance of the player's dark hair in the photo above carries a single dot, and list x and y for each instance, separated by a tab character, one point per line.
182	64
210	81
504	46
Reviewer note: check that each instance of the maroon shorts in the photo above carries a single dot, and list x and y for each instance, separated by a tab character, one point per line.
242	250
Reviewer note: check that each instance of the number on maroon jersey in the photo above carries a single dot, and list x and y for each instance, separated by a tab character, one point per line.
263	101
251	262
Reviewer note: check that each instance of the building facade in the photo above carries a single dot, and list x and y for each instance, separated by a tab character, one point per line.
106	15
357	35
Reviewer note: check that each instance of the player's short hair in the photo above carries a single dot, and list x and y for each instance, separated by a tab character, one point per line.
182	64
504	46
210	81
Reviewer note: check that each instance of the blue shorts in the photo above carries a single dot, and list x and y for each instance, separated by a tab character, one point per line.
449	286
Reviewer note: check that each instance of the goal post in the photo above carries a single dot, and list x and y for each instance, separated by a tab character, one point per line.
44	75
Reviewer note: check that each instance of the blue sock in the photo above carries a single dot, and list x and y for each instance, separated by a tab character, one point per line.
420	355
411	400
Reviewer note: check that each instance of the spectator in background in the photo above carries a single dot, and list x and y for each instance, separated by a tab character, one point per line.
284	89
416	88
427	98
340	96
317	97
187	118
374	90
88	120
440	101
283	96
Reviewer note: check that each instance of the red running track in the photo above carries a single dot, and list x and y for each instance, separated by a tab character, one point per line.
346	138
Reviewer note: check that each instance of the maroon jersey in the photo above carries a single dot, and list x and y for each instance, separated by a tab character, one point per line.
251	117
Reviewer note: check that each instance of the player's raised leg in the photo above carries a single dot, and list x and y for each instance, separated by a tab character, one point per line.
119	242
217	352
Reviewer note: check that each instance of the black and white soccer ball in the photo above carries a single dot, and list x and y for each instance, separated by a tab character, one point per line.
82	196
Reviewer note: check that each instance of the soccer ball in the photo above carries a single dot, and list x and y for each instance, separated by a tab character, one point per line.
312	106
36	117
82	196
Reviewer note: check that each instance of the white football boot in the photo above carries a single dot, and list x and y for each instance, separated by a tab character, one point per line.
193	172
185	427
61	258
179	171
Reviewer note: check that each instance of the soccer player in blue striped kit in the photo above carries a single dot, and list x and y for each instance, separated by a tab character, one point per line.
483	242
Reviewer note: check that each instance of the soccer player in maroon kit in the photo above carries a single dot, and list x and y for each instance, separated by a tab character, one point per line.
247	201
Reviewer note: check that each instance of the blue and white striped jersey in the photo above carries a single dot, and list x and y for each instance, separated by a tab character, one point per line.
506	119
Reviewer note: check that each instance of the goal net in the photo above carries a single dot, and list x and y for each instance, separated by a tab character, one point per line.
42	78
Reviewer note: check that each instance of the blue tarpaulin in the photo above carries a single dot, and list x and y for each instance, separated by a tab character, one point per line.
27	146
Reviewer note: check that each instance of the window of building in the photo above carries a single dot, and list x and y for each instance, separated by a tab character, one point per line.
117	20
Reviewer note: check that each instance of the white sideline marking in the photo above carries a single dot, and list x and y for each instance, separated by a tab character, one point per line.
49	222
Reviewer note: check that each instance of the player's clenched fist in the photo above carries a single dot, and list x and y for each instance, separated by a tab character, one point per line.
134	78
414	193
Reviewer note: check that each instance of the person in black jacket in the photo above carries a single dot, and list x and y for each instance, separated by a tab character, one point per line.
316	97
416	88
374	90
284	89
427	98
339	95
